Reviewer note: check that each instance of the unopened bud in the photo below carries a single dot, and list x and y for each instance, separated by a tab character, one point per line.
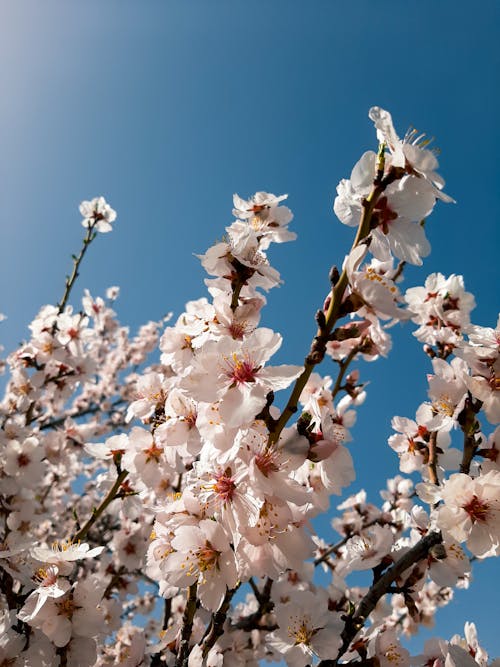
353	377
334	276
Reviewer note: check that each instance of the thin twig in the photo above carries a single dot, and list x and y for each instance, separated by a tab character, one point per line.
77	260
90	410
112	493
343	366
266	605
335	547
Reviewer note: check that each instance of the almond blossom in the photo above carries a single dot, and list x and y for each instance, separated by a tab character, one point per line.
233	373
202	554
306	629
97	214
188	486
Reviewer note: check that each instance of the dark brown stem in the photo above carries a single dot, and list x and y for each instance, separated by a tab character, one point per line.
112	583
333	313
187	627
167	611
77	260
216	627
256	592
470	426
62	652
7	588
469	451
399	270
266	605
236	295
92	409
356	622
156	660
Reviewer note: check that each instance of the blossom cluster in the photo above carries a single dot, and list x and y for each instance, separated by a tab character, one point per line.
179	491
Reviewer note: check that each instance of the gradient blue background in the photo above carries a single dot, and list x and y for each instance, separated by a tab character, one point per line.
167	108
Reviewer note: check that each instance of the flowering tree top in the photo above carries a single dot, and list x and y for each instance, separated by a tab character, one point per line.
179	491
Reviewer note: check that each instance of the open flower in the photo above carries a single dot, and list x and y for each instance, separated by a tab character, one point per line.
202	555
65	552
233	372
409	153
306	628
97	214
471	510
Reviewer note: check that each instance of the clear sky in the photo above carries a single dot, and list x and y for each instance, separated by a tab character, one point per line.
168	107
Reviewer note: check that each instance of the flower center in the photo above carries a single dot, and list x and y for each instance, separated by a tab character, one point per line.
393	654
64	545
238	329
301	632
266	462
23	460
45	576
207	557
224	486
66	608
444	406
383	215
241	371
153	453
477	509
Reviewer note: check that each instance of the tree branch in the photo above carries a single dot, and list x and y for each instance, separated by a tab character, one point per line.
187	626
77	260
355	622
216	627
333	313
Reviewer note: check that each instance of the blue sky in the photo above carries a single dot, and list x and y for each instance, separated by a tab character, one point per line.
167	108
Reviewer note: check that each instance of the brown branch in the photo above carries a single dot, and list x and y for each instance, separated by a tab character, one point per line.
329	319
156	660
470	426
216	627
356	622
187	627
432	463
469	451
343	366
90	410
236	295
62	652
77	260
251	622
399	270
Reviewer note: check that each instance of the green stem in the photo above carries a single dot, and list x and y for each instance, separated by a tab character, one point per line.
343	366
99	510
